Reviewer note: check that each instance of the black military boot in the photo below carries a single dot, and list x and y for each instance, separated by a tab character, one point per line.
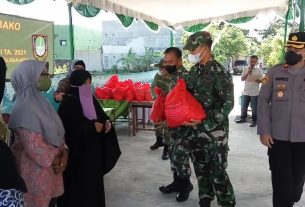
165	154
184	187
158	143
171	188
205	202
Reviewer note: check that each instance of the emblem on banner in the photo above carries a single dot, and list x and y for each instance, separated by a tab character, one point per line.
40	46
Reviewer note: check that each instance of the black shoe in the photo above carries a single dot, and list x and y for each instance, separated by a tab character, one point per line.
205	202
253	124
184	194
165	154
241	121
159	143
171	188
184	187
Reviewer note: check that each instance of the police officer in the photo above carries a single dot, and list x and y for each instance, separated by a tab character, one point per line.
281	122
206	141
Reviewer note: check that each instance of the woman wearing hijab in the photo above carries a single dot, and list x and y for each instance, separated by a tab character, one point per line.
64	84
92	142
12	185
39	133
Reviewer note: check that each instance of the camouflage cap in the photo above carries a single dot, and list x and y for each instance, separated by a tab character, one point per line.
296	40
159	64
197	39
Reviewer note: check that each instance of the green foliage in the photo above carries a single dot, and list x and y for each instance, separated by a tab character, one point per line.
148	58
133	62
276	26
231	43
130	60
271	49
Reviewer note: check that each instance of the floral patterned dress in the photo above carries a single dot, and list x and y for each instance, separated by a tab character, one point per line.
11	198
34	158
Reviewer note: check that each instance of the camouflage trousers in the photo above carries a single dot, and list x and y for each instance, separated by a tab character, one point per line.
209	156
162	130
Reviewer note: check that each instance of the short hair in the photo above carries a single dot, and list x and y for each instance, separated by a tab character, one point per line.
254	57
209	43
175	50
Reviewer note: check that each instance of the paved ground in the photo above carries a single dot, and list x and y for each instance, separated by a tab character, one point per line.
139	173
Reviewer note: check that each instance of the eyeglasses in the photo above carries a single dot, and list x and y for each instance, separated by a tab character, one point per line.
47	75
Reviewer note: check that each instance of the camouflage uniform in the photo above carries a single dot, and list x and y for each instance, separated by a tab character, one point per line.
166	82
207	145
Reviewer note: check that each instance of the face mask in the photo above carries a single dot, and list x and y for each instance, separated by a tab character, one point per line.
195	58
292	58
44	84
86	99
171	68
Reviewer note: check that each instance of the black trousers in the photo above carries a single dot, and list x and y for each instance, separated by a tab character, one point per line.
287	165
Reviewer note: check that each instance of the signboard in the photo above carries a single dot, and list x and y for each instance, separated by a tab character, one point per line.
25	39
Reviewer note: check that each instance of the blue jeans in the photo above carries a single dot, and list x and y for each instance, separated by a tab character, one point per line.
245	104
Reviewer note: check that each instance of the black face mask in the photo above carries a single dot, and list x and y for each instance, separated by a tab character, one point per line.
171	68
292	58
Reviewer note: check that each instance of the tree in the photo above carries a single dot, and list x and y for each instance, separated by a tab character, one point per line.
276	26
230	43
148	58
130	60
272	50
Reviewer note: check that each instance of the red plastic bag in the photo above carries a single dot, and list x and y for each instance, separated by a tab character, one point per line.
130	96
103	93
139	91
148	96
181	106
112	82
119	93
158	109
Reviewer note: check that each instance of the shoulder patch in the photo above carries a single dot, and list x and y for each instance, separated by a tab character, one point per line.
265	79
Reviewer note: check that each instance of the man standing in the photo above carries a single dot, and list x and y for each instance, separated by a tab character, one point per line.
252	77
281	109
172	69
206	141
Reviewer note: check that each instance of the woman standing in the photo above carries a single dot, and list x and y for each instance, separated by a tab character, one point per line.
39	145
12	185
92	142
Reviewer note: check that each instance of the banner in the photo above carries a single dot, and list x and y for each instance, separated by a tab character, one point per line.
25	39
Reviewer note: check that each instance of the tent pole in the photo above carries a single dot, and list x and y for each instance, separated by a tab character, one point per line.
171	38
71	33
301	28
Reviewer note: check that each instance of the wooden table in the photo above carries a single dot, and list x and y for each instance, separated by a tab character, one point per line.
133	123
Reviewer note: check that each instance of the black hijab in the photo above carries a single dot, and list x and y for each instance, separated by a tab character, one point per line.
9	176
2	77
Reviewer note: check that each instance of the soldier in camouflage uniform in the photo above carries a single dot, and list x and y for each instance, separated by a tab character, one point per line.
166	79
206	141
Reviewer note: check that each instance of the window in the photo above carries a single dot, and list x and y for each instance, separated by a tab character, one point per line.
63	43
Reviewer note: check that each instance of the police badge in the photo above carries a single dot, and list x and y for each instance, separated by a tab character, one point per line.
280	94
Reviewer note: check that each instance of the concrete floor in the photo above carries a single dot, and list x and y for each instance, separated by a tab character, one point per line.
134	182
